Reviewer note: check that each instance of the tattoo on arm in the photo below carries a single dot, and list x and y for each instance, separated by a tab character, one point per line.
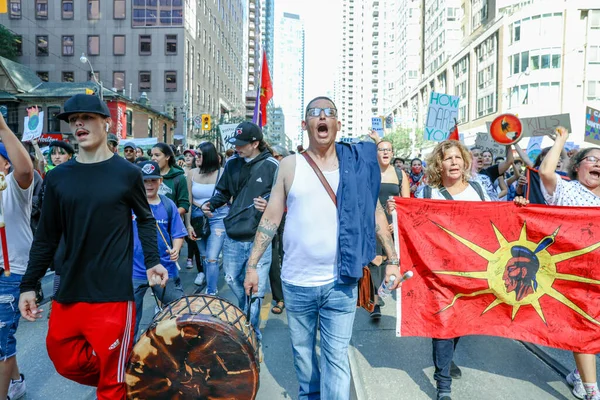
383	233
264	235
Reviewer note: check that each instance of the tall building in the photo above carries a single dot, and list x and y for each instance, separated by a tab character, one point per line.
288	82
252	55
186	59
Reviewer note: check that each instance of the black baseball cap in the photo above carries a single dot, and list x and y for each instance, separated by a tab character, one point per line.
150	170
112	138
129	144
63	145
245	133
84	103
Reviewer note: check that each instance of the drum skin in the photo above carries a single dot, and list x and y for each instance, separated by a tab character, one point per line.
506	129
195	352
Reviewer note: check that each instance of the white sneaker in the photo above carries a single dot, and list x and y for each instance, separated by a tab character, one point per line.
199	279
189	264
574	380
17	389
593	396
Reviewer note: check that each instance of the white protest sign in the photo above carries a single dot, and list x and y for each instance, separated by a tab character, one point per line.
377	125
227	131
443	110
545	125
534	147
33	125
485	141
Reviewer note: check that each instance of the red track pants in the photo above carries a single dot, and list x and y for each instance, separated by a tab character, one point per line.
90	343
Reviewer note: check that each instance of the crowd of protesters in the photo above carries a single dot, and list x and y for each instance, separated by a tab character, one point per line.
255	215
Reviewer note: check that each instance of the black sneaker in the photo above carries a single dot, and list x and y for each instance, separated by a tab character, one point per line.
455	372
376	313
443	396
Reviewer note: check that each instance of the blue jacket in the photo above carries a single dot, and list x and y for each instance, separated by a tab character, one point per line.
357	197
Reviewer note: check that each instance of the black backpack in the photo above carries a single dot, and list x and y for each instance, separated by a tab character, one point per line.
475	185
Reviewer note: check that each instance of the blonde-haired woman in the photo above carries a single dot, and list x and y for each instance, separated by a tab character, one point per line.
448	177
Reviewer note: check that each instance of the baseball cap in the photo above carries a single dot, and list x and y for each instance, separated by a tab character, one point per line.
3	152
112	138
150	170
245	133
192	152
63	145
129	144
84	103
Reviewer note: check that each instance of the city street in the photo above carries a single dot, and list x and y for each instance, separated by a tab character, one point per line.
383	366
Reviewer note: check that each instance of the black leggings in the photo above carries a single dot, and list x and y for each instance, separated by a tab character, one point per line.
194	252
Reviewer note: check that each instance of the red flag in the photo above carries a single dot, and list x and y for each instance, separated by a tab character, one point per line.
266	90
484	268
454	132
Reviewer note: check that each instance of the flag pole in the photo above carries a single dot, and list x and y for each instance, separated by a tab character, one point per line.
399	290
255	118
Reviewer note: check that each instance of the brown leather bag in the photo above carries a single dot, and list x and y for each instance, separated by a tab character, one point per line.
366	297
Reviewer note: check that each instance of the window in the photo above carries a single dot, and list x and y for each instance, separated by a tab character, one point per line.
119	9
594	54
67	9
68	76
93	45
170	81
555	60
119	80
19	45
165	13
119	45
545	61
15	9
67	45
171	45
93	78
593	90
41	45
517	31
594	16
145	78
41	9
535	62
129	116
43	75
93	10
145	45
524	61
516	64
165	133
150	127
53	122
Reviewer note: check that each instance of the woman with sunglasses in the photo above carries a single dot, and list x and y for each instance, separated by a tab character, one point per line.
582	190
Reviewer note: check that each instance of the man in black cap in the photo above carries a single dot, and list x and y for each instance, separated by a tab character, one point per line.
113	142
248	178
129	151
90	331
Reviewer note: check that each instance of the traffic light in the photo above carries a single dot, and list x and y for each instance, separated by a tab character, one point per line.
205	122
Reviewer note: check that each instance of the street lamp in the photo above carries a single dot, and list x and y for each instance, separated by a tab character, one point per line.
84	60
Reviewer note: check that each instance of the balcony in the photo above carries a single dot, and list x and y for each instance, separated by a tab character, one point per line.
375	22
375	51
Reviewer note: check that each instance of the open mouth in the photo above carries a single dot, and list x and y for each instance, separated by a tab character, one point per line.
595	174
322	128
81	133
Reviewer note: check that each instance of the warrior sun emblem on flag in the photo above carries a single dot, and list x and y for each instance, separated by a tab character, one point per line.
519	273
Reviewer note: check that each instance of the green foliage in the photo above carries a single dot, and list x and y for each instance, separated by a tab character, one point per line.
7	44
400	139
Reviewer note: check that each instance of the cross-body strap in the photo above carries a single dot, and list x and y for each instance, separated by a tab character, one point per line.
321	177
444	192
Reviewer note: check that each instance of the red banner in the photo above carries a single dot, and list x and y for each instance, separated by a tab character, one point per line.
118	113
481	268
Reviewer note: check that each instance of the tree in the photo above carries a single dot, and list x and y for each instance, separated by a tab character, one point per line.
400	139
7	43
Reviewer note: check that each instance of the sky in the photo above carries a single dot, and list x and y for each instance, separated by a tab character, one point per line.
322	30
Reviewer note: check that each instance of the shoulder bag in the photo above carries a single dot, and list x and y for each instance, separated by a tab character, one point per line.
366	296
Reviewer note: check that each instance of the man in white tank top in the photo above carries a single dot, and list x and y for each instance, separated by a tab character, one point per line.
327	239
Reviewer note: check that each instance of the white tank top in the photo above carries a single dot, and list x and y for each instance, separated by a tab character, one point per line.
310	237
202	192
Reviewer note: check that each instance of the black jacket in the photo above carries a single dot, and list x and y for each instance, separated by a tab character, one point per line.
245	181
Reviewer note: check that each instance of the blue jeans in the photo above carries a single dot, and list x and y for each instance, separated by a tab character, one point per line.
443	352
332	307
211	246
172	291
9	314
235	257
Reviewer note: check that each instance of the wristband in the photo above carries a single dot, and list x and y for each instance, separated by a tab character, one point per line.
393	262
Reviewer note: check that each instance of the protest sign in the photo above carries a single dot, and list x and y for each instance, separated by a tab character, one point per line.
33	125
377	125
485	141
545	125
534	147
443	110
227	131
592	126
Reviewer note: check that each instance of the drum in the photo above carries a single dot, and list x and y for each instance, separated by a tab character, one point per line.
197	347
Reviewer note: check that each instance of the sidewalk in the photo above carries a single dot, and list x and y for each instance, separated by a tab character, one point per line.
386	367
